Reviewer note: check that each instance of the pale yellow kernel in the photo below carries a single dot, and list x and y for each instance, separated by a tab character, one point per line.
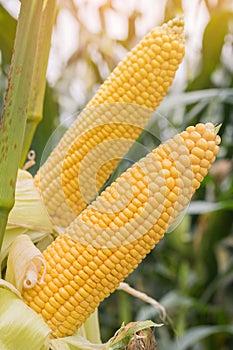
99	273
185	160
172	197
161	223
74	252
165	216
189	144
165	55
68	306
166	163
209	126
82	291
203	171
59	317
73	270
128	213
159	197
43	296
64	311
209	155
158	41
67	274
196	183
88	270
195	136
204	163
199	177
59	268
190	129
167	47
35	307
196	168
78	280
56	258
200	128
218	140
170	182
64	263
194	160
69	289
197	151
54	302
209	135
58	298
174	172
52	286
69	321
60	329
184	134
50	309
216	150
81	260
57	281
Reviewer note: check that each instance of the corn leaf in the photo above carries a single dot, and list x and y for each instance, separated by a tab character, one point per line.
196	334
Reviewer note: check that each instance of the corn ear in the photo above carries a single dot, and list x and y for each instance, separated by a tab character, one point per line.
107	241
126	102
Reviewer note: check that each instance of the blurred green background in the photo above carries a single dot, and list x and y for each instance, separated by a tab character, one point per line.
191	271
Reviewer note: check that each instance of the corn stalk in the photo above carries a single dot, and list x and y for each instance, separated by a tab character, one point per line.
38	83
21	94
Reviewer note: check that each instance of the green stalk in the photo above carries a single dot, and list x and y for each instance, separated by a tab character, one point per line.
14	116
36	102
125	312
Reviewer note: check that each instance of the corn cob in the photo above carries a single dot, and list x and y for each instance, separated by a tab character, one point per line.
142	79
107	241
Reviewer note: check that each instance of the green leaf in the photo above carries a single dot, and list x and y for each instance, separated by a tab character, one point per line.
202	207
196	334
46	127
7	35
212	44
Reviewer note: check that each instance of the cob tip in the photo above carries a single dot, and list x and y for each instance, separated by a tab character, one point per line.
217	127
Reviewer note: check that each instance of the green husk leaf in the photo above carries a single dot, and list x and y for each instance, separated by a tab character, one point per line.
28	215
20	327
10	287
24	263
29	210
10	236
195	334
75	342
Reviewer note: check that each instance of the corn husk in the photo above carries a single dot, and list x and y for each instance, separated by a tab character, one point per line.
29	210
24	263
28	215
124	339
20	327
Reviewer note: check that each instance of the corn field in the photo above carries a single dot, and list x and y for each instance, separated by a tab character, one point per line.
116	181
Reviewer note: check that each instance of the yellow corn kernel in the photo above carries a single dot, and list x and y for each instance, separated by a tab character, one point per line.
112	121
120	250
